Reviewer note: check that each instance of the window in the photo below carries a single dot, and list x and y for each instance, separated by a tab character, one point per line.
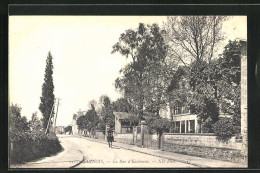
127	129
177	127
182	126
192	126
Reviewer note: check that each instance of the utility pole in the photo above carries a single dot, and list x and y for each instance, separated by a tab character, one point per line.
55	118
49	118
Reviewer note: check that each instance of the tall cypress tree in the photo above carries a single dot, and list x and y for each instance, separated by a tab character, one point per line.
47	98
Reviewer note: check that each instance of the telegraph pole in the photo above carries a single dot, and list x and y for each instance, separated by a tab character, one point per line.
49	118
55	118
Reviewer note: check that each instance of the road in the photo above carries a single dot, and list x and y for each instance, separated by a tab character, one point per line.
99	155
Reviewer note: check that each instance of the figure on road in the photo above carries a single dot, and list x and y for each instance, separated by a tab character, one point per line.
110	138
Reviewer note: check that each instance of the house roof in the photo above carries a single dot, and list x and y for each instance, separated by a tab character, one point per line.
123	115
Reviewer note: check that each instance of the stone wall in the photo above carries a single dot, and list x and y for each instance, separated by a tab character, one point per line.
203	145
100	135
204	140
206	152
126	138
150	141
117	126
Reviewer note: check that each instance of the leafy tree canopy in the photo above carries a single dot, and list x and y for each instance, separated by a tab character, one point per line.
147	50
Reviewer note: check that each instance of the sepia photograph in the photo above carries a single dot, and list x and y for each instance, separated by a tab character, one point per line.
127	91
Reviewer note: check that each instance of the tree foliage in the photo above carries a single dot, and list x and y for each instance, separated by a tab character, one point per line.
146	47
17	122
68	129
157	124
122	105
47	98
106	111
35	123
214	82
224	129
88	121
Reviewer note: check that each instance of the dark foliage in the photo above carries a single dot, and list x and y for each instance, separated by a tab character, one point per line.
224	129
68	129
88	121
47	98
28	146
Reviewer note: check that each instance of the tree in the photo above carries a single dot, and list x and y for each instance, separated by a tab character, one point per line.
194	38
160	125
68	129
88	121
178	92
157	124
145	46
17	122
35	123
122	105
229	63
47	99
157	79
107	115
193	42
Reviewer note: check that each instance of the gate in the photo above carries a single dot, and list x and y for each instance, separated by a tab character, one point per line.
137	138
142	138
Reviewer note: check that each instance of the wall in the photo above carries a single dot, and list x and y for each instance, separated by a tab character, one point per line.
99	135
205	140
205	145
126	138
150	141
117	126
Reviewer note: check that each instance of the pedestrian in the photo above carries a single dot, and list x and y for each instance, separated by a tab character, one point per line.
110	138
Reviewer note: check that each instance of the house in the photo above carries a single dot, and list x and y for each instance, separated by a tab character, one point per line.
75	130
124	122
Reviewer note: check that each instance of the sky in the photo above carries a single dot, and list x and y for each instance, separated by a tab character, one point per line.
84	68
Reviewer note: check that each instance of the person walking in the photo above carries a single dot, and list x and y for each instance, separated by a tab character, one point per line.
110	138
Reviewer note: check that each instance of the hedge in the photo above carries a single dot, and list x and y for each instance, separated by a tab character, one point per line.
28	146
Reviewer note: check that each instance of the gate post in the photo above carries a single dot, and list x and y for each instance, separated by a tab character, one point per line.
106	129
143	126
134	135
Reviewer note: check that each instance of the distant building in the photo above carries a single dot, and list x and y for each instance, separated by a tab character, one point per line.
60	130
75	130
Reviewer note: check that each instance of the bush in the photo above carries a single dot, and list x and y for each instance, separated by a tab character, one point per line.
159	125
28	146
207	126
224	129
